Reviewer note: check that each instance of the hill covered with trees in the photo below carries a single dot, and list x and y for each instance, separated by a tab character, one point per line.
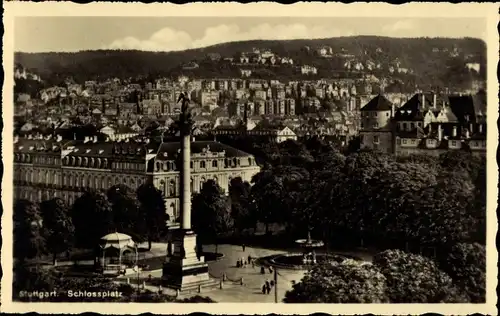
429	58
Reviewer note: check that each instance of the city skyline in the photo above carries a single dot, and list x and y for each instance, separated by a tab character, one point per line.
36	34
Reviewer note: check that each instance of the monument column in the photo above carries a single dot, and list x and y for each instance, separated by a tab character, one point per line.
185	194
184	267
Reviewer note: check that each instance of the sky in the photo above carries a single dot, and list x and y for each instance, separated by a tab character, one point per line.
67	34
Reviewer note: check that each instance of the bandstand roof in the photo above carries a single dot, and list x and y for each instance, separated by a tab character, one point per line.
117	240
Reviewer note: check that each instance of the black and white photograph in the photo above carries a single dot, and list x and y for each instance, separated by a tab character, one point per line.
287	159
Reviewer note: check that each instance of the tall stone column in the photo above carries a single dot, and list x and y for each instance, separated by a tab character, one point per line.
185	182
184	267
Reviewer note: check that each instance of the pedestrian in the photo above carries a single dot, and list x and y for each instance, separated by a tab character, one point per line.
246	263
262	270
253	265
243	246
249	258
264	289
272	283
270	269
268	289
238	263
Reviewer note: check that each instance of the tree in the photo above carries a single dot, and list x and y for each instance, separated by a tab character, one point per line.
415	279
93	218
442	211
211	212
270	193
239	193
395	189
346	282
60	227
29	231
152	205
127	216
353	191
466	264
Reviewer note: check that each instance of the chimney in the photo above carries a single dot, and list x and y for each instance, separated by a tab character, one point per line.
480	128
423	100
471	127
435	100
440	132
393	110
467	133
87	139
454	131
95	139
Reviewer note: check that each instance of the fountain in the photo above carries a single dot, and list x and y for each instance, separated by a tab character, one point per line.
308	245
306	259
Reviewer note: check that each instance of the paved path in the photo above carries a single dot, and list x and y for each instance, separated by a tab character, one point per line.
250	291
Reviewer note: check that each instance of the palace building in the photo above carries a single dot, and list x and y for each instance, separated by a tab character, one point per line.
45	168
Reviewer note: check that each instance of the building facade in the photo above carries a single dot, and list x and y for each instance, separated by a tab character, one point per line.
49	168
428	124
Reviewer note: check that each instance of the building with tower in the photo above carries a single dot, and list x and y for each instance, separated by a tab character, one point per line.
376	125
428	123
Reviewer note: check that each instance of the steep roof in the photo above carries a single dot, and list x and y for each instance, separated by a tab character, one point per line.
379	103
463	107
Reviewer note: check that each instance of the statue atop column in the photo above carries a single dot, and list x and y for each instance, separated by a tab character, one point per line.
185	118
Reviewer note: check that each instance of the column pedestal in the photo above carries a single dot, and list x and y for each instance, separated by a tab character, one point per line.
183	269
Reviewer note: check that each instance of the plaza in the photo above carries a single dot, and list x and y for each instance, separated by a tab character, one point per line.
232	290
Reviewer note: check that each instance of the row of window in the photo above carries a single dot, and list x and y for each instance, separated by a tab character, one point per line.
171	189
409	126
27	158
374	114
170	165
82	181
95	163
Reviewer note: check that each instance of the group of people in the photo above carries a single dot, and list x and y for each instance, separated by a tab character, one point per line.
266	288
263	270
242	263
